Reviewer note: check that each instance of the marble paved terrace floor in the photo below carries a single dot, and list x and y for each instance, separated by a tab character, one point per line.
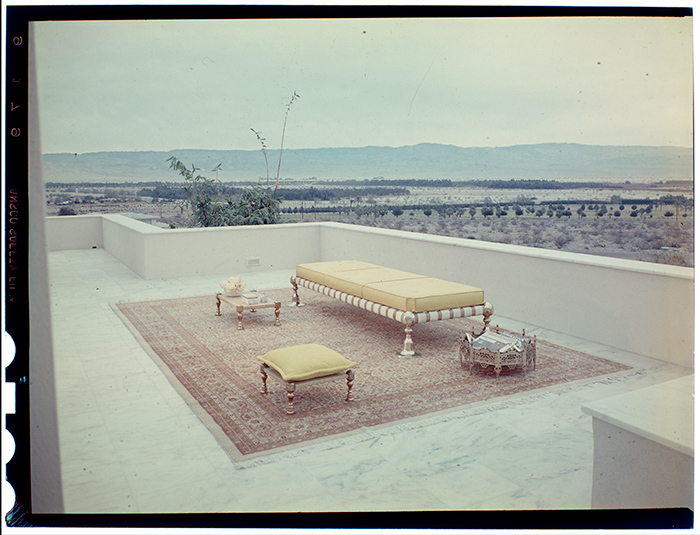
129	443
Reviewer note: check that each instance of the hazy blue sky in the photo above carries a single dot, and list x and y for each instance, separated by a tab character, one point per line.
163	85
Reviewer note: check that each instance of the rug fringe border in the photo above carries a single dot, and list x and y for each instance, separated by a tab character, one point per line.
418	422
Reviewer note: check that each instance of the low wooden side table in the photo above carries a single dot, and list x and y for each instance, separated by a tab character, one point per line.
498	349
240	303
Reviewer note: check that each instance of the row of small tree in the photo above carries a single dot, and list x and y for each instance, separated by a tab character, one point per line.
486	210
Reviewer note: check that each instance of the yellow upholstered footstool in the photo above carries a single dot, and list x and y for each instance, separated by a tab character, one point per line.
308	363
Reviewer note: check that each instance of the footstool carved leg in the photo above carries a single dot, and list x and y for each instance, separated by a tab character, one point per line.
351	379
263	390
290	396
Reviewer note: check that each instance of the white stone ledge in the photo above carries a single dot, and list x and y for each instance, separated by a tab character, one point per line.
134	224
520	250
661	413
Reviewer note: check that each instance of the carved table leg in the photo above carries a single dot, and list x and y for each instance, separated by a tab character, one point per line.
534	352
263	390
277	313
218	305
239	309
290	396
351	380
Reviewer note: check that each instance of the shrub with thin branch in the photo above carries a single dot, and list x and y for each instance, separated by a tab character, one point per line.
264	147
264	151
284	128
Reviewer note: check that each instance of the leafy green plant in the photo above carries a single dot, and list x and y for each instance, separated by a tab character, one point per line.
200	195
210	208
255	206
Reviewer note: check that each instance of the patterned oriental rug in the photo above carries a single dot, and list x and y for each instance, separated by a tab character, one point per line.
213	366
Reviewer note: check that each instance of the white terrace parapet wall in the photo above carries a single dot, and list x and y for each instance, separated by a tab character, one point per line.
156	253
74	232
636	306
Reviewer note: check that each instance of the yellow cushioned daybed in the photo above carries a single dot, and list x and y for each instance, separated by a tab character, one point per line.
396	294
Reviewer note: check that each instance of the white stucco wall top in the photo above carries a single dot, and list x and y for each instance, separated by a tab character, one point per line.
242	228
559	256
81	216
146	228
134	224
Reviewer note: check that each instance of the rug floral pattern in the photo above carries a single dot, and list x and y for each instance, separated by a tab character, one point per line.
214	368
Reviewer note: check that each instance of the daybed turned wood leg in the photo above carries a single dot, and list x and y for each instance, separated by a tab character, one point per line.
295	298
351	379
409	320
488	311
263	390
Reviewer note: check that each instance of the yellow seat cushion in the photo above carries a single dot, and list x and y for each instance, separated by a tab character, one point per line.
391	287
352	282
423	294
307	361
317	271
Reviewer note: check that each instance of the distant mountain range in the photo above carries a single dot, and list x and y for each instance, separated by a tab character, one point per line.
560	161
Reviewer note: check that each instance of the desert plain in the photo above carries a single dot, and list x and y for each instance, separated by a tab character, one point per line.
627	230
